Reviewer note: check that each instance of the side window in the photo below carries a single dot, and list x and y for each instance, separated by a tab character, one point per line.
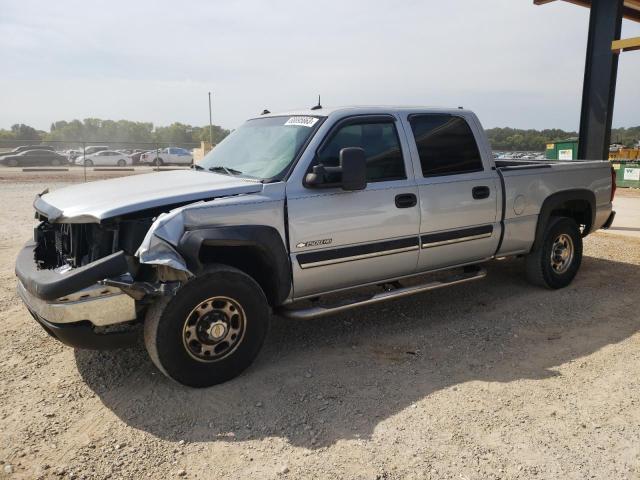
446	145
381	146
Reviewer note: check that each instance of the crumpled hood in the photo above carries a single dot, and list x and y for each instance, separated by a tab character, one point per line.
96	201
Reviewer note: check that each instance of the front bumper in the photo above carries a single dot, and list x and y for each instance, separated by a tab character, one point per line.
50	285
73	308
90	319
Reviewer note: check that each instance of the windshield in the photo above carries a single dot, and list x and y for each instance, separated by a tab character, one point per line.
261	148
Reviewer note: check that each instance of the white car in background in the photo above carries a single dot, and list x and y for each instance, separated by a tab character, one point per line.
105	158
171	155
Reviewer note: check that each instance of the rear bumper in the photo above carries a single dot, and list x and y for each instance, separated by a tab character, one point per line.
609	221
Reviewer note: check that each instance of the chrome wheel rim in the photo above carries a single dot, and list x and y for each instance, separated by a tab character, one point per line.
562	253
214	329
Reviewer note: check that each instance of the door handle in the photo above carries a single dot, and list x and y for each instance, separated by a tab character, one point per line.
480	192
406	200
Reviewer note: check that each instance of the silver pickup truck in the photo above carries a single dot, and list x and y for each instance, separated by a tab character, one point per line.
286	212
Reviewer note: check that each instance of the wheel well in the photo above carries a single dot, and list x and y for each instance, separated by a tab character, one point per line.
578	210
248	259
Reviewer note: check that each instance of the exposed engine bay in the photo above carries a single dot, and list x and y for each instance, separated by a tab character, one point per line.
72	245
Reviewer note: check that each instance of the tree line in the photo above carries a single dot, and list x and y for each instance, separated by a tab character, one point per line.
514	139
70	134
94	130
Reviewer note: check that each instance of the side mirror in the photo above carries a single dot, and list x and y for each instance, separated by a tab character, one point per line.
352	170
353	163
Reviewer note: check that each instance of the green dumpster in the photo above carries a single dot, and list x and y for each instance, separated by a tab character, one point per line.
562	150
627	173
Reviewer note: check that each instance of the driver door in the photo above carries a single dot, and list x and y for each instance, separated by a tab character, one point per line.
339	239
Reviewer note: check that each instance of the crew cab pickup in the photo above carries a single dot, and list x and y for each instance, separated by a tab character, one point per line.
288	210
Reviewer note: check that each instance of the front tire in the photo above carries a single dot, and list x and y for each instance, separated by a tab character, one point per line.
122	163
211	330
555	262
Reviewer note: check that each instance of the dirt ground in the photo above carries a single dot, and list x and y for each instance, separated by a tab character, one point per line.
494	379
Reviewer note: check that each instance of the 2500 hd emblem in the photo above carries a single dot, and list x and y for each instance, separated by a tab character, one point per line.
314	243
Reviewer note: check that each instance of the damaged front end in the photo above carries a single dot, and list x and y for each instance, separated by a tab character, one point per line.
84	283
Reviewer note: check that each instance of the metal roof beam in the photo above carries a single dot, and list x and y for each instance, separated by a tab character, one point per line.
630	10
625	45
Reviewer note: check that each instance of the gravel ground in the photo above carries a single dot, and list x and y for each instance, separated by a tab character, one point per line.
495	379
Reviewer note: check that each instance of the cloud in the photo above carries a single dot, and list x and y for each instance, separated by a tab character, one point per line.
515	63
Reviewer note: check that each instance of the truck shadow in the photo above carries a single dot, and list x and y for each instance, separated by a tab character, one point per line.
337	378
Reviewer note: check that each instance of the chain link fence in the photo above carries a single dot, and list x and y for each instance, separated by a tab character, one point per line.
98	155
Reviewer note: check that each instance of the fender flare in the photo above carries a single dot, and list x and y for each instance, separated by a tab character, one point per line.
553	201
264	239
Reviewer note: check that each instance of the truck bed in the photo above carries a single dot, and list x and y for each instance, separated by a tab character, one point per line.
528	183
514	163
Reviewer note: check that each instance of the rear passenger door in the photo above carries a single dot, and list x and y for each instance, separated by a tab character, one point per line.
339	238
458	191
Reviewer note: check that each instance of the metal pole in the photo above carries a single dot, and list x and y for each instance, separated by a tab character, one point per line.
598	91
84	159
210	124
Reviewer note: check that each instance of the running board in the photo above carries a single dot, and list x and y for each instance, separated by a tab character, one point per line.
315	312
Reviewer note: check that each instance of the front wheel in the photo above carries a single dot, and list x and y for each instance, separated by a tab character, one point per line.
211	330
122	163
555	262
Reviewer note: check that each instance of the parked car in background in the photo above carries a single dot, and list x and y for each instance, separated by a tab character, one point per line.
24	148
135	156
39	157
171	155
104	158
91	149
73	154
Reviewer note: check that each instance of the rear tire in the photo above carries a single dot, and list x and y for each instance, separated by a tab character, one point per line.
158	162
555	262
211	330
55	162
88	163
12	162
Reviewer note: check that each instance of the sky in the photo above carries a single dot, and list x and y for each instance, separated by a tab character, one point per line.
513	63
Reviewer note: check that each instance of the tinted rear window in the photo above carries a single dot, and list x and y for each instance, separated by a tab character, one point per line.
446	145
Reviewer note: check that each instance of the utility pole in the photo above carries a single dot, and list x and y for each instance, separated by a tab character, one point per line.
210	124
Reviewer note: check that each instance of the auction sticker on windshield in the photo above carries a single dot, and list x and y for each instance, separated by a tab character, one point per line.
302	121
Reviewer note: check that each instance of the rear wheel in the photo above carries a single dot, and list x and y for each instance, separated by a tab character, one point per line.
158	162
12	162
88	163
55	162
555	262
210	331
